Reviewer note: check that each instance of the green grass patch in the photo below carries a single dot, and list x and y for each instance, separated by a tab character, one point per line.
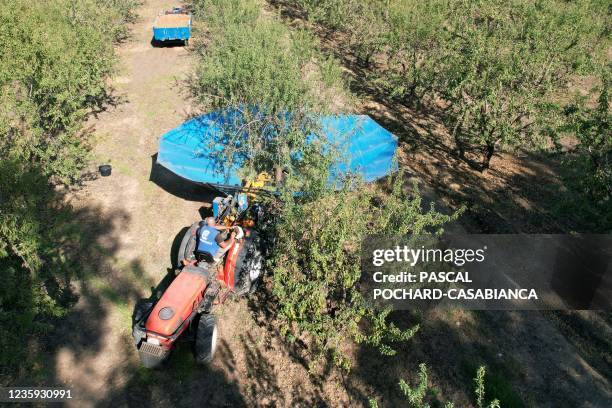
498	382
182	365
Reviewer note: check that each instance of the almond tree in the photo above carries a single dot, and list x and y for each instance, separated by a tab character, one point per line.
505	67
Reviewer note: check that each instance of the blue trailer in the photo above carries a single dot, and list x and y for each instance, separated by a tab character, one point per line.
172	25
190	150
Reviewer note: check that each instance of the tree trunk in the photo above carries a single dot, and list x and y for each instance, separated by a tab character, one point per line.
489	151
278	175
460	147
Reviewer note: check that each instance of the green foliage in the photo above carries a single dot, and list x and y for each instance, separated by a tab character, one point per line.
366	38
479	390
586	195
109	17
257	66
316	261
332	12
417	396
411	35
592	128
220	14
55	57
33	256
495	69
506	64
254	65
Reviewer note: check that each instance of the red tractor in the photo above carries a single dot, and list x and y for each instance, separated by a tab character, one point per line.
201	282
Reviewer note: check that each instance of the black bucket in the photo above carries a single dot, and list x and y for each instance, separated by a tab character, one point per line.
105	170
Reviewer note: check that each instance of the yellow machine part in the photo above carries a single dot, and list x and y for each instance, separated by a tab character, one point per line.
259	182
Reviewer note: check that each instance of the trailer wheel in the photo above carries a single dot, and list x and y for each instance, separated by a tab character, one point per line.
206	339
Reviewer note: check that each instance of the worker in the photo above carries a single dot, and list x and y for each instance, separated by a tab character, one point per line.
213	241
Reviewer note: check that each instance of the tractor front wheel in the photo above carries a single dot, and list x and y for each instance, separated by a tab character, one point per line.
206	339
142	308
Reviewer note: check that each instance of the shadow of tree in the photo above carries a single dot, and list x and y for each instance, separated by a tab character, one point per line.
263	385
264	374
180	382
529	362
263	310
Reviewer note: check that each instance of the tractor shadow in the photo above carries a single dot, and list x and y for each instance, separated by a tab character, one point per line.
176	246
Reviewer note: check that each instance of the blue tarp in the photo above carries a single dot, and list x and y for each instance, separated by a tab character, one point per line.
367	148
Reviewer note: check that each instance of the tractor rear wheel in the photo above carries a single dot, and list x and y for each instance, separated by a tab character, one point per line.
251	268
187	248
206	339
255	267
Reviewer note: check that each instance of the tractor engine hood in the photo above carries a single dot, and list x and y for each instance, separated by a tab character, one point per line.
176	304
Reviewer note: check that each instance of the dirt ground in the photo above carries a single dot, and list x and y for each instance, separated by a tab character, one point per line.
131	220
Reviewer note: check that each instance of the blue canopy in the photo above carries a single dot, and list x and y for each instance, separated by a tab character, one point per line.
367	148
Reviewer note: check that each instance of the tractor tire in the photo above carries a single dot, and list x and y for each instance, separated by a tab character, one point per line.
254	268
187	248
141	310
251	270
206	339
